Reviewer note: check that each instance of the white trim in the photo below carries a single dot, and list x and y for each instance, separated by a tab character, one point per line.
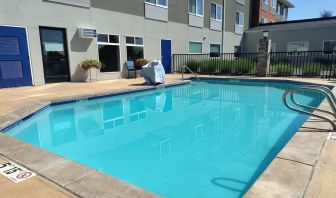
112	44
196	9
194	42
156	4
217	4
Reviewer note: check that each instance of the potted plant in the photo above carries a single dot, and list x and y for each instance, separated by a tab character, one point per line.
90	64
139	63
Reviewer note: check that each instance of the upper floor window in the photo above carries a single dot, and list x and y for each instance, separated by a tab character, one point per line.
240	18
273	3
265	1
196	7
216	12
157	2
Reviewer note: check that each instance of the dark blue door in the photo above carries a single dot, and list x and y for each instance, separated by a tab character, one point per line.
166	55
14	58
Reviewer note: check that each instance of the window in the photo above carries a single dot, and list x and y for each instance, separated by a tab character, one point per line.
263	20
216	12
296	47
157	2
329	47
265	1
108	52
195	48
273	3
196	7
134	47
215	48
239	18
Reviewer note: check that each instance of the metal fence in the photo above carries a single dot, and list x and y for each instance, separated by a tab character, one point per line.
307	64
217	64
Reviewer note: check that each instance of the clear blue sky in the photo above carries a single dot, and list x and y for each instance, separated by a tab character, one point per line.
310	8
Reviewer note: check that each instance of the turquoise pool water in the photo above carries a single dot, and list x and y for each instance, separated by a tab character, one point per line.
209	139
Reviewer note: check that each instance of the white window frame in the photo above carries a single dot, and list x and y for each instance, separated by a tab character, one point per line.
240	13
143	41
323	43
157	4
298	53
194	42
217	5
265	2
220	47
273	4
108	43
200	15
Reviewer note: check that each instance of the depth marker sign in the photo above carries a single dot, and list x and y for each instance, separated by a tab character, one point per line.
15	172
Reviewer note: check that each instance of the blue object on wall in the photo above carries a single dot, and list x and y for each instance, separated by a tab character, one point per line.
14	57
166	55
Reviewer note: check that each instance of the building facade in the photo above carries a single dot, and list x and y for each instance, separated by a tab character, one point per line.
59	34
270	11
295	36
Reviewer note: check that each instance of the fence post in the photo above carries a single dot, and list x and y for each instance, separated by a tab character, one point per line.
264	57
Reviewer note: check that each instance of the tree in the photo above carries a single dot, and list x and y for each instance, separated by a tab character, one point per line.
326	13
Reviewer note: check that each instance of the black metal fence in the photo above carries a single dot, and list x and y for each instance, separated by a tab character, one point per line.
306	64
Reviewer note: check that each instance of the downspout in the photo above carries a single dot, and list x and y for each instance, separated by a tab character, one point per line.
223	25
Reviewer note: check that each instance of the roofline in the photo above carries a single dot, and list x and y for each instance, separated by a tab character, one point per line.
287	3
299	21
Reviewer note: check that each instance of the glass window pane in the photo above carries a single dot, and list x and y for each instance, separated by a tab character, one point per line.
213	11
162	2
114	38
200	7
139	41
237	18
195	47
214	48
219	12
241	19
192	6
102	38
129	40
134	52
109	57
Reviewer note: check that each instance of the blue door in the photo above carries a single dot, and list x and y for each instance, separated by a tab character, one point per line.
14	58
166	55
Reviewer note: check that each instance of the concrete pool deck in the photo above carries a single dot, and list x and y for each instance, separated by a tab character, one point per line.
306	167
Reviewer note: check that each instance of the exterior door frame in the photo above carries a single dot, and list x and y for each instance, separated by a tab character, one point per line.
65	43
28	49
171	47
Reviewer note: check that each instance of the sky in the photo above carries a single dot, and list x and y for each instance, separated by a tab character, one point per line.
305	9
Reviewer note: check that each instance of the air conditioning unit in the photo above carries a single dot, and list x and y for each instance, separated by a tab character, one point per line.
87	33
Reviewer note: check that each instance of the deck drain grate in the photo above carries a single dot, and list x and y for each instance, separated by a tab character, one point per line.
332	136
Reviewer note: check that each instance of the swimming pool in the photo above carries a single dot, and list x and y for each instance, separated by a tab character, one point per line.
207	139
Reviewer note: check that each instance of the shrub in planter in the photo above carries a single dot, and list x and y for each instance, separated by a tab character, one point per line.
243	66
225	69
140	62
311	70
284	70
193	65
89	64
208	66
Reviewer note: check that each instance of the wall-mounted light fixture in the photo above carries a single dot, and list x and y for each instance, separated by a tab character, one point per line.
265	34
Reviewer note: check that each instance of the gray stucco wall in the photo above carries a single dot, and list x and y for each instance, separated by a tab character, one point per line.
314	35
35	13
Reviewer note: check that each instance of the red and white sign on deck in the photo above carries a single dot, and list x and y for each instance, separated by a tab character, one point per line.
15	172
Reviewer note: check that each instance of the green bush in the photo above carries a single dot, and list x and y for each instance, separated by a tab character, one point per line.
193	65
311	70
243	66
284	70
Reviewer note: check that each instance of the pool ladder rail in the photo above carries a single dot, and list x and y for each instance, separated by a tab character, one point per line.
184	67
317	88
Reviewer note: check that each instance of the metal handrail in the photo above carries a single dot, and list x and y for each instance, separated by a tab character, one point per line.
325	91
186	67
